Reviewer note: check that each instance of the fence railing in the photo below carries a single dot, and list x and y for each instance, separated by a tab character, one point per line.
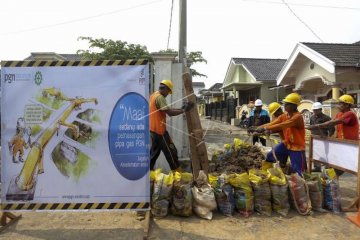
222	111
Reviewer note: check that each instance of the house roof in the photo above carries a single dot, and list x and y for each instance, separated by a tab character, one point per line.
198	84
216	87
214	90
53	56
71	57
261	68
343	55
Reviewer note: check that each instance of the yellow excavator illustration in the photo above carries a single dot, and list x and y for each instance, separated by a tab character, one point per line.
22	187
73	127
55	93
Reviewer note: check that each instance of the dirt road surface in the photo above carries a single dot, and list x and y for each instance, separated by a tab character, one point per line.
123	225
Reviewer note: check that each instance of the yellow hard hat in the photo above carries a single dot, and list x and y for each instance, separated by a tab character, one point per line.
169	84
273	107
293	98
346	99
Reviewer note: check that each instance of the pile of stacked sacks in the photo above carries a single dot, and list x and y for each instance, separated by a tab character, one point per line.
263	188
181	195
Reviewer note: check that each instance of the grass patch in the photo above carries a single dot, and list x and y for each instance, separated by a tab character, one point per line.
75	170
50	101
35	129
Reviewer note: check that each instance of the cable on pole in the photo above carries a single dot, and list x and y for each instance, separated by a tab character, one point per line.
304	23
171	13
80	19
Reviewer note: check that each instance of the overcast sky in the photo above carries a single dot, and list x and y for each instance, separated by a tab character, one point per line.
220	29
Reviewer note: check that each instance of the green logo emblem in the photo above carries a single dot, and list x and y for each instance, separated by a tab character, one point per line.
38	78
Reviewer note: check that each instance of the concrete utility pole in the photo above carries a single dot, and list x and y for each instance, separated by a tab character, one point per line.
182	33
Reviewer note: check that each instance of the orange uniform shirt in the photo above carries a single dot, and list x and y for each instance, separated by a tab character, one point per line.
349	128
293	130
281	133
157	118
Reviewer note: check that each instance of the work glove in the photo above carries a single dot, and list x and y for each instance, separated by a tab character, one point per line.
260	130
187	106
251	129
310	127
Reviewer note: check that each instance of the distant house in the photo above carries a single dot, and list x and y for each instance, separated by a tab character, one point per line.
321	71
51	56
213	94
197	87
248	79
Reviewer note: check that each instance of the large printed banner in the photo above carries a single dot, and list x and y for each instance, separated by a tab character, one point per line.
75	135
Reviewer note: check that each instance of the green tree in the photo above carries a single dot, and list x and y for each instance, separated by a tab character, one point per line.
112	50
192	57
107	49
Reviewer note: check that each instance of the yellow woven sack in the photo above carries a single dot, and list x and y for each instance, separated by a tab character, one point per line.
266	165
169	179
238	180
277	177
258	177
238	143
154	173
186	177
227	146
213	180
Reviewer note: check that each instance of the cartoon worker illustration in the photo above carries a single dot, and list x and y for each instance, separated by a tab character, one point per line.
17	145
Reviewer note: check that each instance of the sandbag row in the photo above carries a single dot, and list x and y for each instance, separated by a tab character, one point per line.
263	191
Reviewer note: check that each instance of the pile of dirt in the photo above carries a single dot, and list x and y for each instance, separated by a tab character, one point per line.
237	160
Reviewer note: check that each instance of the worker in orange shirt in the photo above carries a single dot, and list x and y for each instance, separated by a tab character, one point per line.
291	123
160	138
346	121
275	111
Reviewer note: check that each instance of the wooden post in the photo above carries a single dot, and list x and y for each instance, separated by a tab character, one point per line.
147	226
358	179
310	154
356	203
4	220
199	158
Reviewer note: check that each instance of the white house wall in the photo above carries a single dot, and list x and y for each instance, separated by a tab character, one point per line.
248	77
241	75
269	96
307	74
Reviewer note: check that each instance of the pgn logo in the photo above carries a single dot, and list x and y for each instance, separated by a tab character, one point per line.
9	78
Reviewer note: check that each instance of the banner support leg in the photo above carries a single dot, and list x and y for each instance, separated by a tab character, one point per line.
4	220
147	225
